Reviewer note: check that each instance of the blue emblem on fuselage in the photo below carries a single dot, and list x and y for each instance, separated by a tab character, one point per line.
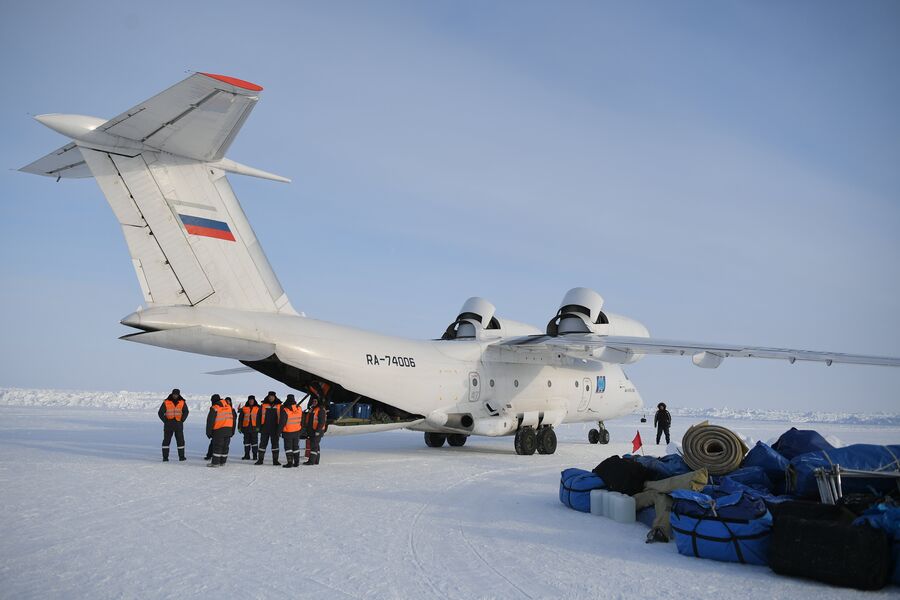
601	384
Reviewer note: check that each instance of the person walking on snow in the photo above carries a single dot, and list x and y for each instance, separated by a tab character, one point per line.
249	426
662	420
289	425
270	413
219	428
173	412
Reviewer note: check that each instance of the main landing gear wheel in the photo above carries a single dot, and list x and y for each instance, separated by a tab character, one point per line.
600	435
435	440
457	439
546	440
526	441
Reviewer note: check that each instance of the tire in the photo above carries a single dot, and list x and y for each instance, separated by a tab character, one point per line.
604	437
435	440
526	441
593	436
457	439
546	441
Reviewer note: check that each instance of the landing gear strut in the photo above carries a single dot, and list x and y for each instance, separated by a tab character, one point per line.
435	440
526	441
546	440
600	435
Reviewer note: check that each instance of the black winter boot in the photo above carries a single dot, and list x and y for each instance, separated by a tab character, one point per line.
214	462
317	458
181	454
255	451
246	455
165	454
296	458
223	460
311	460
289	462
259	459
275	458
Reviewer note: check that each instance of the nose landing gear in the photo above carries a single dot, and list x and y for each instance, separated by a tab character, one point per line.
600	435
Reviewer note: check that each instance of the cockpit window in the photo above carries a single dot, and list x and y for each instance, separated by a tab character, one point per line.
602	319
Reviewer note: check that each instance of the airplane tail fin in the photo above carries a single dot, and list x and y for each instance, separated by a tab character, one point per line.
162	169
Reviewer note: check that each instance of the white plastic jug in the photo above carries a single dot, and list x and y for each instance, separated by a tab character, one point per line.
597	501
621	508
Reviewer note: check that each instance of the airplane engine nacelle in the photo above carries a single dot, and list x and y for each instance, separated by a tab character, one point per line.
477	319
579	312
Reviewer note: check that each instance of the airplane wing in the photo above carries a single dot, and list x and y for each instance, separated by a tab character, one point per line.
620	349
196	118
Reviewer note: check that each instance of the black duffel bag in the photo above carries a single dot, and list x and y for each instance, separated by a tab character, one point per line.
817	541
623	475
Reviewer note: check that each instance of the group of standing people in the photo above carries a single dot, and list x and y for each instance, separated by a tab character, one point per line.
261	425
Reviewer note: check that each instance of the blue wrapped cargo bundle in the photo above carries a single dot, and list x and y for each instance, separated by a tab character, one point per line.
664	467
801	478
887	518
731	528
575	487
770	461
362	411
795	442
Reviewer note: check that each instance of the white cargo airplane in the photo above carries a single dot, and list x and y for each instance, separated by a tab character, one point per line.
209	289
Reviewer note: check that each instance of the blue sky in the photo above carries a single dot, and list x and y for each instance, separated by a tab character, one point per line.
719	171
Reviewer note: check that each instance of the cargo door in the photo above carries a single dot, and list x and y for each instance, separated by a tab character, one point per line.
585	394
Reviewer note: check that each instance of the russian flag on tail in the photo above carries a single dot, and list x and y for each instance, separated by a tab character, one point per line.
207	227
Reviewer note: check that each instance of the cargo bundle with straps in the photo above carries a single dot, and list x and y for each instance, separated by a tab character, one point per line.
820	542
575	487
727	527
801	473
773	463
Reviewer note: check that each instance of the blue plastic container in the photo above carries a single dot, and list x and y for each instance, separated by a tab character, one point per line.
362	411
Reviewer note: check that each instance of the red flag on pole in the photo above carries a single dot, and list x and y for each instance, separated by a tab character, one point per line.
636	442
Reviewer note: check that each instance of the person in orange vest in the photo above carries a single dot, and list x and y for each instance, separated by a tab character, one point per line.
173	412
290	423
269	416
249	426
314	427
219	428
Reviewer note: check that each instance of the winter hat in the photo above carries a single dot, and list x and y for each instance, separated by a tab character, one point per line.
661	405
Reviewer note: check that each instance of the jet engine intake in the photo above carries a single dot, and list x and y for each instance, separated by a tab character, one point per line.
707	360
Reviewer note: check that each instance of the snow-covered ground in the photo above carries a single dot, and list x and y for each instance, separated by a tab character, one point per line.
92	512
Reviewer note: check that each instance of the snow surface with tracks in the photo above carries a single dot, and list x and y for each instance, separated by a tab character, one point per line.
92	512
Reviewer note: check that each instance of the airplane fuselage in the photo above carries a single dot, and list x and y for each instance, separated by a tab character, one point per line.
451	386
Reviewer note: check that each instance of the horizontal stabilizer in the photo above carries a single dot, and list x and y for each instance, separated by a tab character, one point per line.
198	340
63	162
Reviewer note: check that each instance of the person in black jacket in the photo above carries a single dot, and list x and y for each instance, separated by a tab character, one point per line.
269	417
248	424
173	412
219	429
663	420
314	422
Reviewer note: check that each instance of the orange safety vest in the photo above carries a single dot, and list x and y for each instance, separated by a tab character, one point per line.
265	408
224	418
294	418
174	410
312	417
250	414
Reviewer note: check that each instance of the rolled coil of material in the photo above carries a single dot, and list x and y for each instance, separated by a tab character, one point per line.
716	448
